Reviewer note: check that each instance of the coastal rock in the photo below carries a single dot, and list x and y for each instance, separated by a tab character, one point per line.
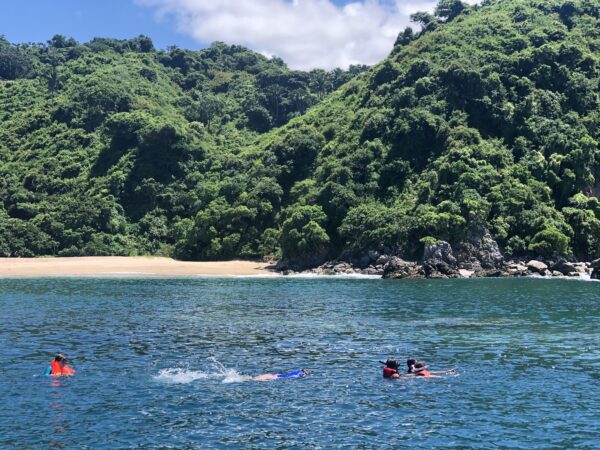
439	251
382	260
537	267
439	269
439	262
480	252
563	267
371	271
492	273
517	269
595	266
490	255
398	268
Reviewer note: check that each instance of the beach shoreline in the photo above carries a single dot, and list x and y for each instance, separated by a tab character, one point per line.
128	266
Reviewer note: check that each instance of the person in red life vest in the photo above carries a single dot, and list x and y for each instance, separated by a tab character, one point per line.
391	368
420	370
58	367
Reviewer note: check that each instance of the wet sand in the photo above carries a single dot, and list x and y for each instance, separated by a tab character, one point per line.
127	266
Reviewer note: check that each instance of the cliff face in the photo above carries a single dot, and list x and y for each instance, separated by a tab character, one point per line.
486	123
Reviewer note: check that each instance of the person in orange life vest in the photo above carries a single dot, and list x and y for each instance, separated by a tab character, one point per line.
391	368
420	370
58	366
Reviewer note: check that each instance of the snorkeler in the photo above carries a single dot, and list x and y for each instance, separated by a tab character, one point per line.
58	366
391	368
410	362
420	370
277	376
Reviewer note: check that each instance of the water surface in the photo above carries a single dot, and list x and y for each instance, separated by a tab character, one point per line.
165	363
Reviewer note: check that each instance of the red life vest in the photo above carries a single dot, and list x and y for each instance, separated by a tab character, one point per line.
423	373
388	372
57	370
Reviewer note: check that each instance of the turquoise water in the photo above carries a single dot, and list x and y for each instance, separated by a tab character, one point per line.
165	363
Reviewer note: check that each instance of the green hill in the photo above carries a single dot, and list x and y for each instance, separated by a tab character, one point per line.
486	121
110	146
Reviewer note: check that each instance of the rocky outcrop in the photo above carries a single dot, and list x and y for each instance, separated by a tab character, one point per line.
595	266
479	257
397	268
563	267
439	262
480	254
439	251
536	266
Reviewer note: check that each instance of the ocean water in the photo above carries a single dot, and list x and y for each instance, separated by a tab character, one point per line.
168	363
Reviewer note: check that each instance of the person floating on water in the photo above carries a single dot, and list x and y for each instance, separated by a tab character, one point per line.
391	368
414	368
58	367
277	376
420	369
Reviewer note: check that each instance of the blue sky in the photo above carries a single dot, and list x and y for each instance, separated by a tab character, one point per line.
305	33
39	20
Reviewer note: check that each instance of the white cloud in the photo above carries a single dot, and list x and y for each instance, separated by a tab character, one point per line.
304	33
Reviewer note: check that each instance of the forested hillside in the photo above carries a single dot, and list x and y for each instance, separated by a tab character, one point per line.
485	121
109	147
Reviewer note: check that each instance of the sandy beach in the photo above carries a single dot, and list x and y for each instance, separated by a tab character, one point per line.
115	266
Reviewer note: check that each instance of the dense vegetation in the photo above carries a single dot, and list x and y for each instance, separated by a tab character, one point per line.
488	119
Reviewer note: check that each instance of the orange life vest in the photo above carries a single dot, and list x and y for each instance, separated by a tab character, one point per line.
388	372
57	370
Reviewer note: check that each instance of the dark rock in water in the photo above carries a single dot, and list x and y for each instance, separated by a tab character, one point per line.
398	268
440	269
563	267
595	265
537	267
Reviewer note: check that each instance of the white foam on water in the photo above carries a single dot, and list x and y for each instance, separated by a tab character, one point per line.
180	375
338	276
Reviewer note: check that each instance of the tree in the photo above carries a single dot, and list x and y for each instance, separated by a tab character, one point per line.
303	233
449	9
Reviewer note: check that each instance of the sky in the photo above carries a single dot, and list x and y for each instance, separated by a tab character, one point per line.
306	34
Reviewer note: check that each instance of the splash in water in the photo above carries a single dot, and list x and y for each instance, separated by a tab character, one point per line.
179	375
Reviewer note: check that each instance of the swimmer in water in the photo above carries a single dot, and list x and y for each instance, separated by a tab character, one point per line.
277	376
410	362
391	368
58	366
420	370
